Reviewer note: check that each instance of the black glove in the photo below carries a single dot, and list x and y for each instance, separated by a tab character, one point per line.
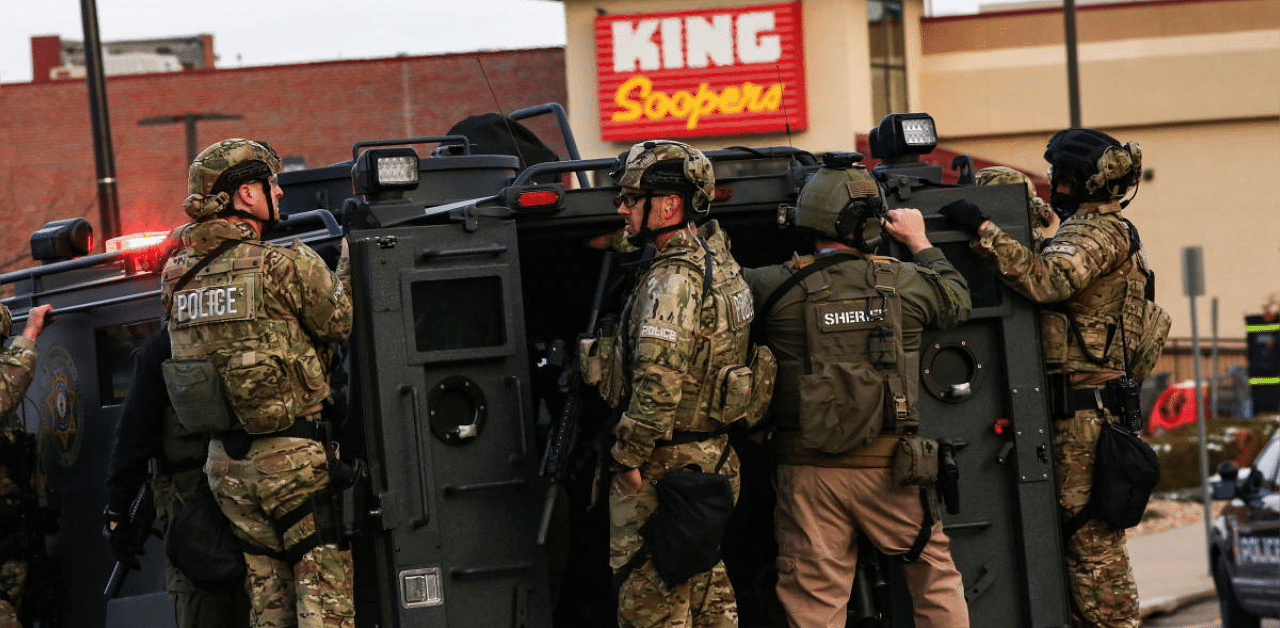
124	546
965	215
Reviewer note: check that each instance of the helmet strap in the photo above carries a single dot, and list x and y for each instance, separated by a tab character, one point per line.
646	233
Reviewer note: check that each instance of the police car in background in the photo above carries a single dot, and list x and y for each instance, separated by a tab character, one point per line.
1244	548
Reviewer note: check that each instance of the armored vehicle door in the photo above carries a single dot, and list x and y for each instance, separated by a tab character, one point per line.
441	374
982	388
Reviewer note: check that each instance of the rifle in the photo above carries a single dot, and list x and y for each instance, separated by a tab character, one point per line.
142	513
563	436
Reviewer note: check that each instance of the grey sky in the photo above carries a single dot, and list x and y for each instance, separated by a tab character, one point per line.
258	32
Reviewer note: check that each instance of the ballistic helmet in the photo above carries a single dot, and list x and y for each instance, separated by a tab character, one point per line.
842	203
223	167
6	322
1103	169
669	165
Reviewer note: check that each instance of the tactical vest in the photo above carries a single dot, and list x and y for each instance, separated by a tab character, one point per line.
854	385
712	395
226	313
1114	322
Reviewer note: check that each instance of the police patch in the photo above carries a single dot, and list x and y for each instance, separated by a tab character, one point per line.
850	314
741	308
214	304
658	331
1059	247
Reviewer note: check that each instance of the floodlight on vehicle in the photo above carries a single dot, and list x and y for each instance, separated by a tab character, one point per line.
380	170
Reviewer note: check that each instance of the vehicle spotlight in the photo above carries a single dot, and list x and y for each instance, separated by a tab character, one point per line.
62	240
383	172
899	141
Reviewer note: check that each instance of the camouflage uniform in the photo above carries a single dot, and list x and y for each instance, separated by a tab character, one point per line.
273	360
675	339
17	363
826	500
1085	272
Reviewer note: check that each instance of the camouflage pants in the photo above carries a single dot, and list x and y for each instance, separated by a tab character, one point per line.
195	606
644	601
13	577
1099	579
277	476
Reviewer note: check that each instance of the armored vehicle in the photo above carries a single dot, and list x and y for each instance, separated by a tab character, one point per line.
472	281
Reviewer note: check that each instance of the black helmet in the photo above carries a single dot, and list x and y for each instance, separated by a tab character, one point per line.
1102	168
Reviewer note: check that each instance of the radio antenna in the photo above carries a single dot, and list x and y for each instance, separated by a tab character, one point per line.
786	116
505	122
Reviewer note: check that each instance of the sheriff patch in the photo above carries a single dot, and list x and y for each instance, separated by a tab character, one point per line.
213	304
852	314
658	331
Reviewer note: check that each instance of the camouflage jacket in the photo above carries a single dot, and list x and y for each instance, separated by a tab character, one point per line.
933	294
678	341
265	314
17	364
1081	277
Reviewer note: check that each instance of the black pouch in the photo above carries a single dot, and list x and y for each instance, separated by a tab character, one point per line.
199	542
684	534
1125	472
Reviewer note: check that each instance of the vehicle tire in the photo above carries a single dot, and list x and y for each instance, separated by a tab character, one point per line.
1233	616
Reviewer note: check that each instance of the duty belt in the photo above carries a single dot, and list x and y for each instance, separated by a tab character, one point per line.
1090	399
237	444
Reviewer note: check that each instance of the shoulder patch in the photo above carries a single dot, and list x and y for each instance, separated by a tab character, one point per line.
658	331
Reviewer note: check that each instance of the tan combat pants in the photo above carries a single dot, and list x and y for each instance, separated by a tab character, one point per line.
819	514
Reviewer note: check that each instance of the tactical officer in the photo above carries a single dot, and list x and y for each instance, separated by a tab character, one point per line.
263	319
845	325
149	429
1092	280
681	332
17	364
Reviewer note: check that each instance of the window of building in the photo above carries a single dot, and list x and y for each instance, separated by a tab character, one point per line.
888	60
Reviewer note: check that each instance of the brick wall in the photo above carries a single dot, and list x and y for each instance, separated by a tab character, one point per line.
315	111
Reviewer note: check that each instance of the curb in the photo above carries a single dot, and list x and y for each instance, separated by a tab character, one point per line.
1170	603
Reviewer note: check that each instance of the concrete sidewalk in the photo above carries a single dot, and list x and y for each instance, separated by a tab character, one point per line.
1171	568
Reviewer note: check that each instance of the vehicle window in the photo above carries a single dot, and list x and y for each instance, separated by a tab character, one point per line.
464	313
115	346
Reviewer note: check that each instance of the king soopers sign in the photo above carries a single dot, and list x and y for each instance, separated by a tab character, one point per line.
722	71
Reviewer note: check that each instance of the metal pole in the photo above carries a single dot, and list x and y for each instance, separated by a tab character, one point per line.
1073	73
1214	373
104	156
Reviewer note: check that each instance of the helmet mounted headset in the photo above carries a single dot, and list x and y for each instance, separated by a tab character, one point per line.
219	171
842	203
666	166
1095	166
